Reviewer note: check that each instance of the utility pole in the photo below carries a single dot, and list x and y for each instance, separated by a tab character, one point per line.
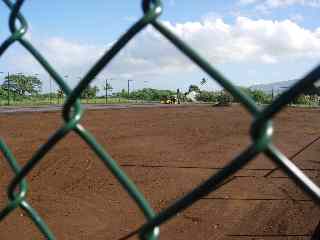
106	91
129	87
8	88
50	95
62	93
1	72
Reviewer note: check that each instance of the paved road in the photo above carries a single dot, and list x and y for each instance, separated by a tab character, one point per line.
50	108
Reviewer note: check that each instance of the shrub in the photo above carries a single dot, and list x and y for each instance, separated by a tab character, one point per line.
306	100
206	96
260	96
224	99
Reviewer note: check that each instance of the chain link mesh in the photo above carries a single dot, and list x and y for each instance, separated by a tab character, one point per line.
261	128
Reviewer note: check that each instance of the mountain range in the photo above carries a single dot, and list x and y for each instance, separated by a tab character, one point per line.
277	87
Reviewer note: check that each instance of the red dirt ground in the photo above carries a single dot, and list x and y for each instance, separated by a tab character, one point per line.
167	152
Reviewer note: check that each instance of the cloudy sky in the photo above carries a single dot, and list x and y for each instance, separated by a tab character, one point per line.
250	41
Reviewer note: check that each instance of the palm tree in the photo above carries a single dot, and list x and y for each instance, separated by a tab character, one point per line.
60	94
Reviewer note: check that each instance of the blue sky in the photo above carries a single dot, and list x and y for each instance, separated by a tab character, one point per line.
250	41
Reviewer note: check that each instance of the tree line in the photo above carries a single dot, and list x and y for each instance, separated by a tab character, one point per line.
20	85
309	97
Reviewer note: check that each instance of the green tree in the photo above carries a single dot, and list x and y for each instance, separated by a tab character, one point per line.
303	99
89	92
3	93
108	87
123	93
194	88
22	84
258	96
206	96
93	91
85	93
146	94
224	98
60	94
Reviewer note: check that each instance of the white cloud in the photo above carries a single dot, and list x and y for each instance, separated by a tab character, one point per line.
266	4
71	54
268	59
247	39
262	41
246	2
284	3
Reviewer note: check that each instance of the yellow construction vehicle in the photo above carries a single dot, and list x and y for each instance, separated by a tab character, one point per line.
168	100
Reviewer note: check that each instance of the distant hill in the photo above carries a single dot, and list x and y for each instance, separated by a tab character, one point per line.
276	86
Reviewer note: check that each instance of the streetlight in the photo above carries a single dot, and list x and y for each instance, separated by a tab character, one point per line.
50	94
37	76
107	88
146	89
8	89
60	91
129	86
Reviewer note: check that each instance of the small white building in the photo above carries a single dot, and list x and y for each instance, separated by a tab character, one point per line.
192	96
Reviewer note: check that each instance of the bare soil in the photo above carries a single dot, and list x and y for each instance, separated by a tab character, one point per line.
167	152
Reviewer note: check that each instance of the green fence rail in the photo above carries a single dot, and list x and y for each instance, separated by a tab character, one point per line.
261	128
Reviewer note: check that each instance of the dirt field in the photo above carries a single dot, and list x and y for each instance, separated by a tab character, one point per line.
167	152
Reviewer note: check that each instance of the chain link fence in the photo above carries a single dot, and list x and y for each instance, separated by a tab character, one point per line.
261	129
